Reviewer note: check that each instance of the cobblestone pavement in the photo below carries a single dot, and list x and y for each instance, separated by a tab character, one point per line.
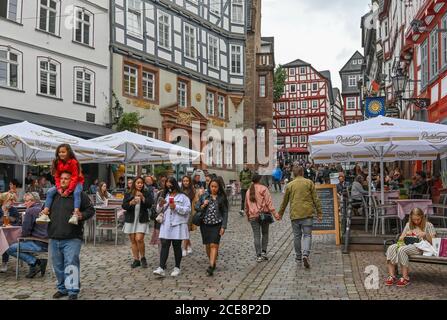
106	273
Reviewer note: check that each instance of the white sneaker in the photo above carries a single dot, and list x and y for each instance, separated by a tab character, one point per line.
189	250
175	273
43	219
4	267
159	272
184	253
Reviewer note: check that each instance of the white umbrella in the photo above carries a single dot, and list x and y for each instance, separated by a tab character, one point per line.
139	149
27	143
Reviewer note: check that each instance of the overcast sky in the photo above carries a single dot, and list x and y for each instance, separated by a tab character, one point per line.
324	33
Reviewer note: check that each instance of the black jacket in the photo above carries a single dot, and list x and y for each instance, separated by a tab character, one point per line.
61	211
129	216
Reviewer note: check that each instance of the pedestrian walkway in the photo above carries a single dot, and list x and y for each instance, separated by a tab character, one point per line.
106	272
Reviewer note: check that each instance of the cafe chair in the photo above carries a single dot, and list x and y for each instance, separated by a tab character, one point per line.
38	255
439	211
380	215
114	202
106	219
368	210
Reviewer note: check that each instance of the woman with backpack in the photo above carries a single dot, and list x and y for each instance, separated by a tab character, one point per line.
259	209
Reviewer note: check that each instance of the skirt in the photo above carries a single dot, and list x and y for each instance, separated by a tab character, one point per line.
136	226
210	233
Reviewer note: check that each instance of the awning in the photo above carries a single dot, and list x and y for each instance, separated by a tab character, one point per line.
294	150
80	129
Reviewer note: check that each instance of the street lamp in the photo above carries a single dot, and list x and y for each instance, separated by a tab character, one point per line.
117	111
399	82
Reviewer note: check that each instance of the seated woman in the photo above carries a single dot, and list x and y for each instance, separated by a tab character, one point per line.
6	201
102	195
399	253
357	193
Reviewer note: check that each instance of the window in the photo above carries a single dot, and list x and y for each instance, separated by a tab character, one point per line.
315	122
304	122
190	42
210	103
303	87
209	154
182	94
385	29
236	59
282	123
282	106
219	154
293	105
434	53
237	11
148	79
84	86
229	155
135	17
213	52
10	68
11	9
444	41
351	103
83	27
424	63
302	70
293	88
354	61
314	104
360	62
147	133
215	6
164	31
303	139
295	140
49	77
303	105
221	106
292	72
47	15
293	122
130	80
352	81
314	87
262	86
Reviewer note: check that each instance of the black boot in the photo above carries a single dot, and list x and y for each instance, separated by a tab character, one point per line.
43	266
33	270
143	262
135	264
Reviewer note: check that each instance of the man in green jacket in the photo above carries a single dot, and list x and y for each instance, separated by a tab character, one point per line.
304	202
245	177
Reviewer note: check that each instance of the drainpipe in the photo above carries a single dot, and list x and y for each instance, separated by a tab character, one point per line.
111	42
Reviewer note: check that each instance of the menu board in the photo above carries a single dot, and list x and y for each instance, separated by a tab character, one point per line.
329	204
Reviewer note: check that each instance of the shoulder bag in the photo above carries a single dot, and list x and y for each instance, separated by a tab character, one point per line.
264	216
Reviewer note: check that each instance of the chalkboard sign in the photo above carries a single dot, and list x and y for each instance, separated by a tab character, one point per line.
329	204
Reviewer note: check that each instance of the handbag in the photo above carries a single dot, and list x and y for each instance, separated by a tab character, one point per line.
266	217
411	240
160	218
197	219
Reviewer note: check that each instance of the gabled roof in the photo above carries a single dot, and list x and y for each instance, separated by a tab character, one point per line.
327	75
296	63
350	67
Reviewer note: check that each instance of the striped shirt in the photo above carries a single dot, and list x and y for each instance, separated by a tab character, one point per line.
429	230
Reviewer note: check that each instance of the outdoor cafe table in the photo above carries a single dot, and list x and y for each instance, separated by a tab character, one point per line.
404	207
8	236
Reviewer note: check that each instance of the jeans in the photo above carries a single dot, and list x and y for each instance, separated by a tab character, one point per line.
164	254
243	194
260	230
302	232
277	185
76	194
66	264
32	246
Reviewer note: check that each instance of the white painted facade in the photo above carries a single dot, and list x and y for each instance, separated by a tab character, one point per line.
60	72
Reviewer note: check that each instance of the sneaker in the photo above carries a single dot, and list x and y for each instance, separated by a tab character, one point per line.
264	256
159	272
59	295
73	297
175	273
390	281
135	263
43	219
189	250
4	267
306	262
259	259
73	220
403	282
143	262
241	212
298	260
184	253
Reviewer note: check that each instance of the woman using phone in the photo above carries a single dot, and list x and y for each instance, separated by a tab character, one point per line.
136	218
175	209
214	207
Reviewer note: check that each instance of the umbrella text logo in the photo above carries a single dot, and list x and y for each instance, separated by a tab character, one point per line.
435	138
349	141
341	156
406	155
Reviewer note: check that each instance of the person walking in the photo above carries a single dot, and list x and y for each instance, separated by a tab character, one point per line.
213	205
161	194
276	178
137	203
175	209
259	201
188	189
66	239
303	199
245	177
